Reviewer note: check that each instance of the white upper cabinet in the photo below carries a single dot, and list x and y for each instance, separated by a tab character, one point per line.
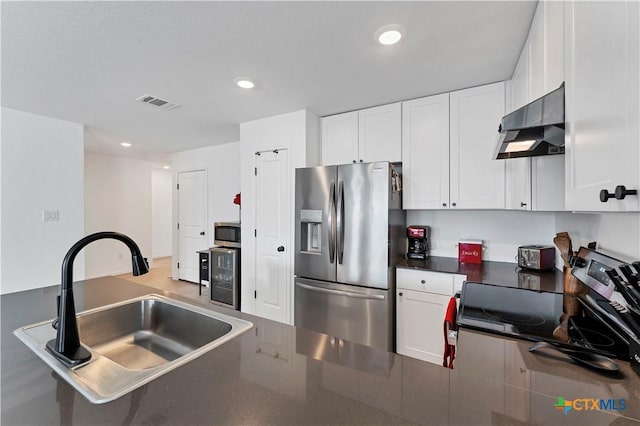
425	152
448	142
368	135
379	136
553	44
518	170
538	183
602	104
477	181
546	48
536	44
340	138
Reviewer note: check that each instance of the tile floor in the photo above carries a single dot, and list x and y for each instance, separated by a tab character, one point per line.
159	276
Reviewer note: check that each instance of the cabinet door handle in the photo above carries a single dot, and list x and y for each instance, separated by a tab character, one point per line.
202	233
399	294
605	195
444	204
422	282
523	204
622	192
453	204
281	248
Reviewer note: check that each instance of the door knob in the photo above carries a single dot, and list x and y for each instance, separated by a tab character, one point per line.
202	233
281	248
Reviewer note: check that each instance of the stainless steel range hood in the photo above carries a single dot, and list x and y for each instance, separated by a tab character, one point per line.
535	129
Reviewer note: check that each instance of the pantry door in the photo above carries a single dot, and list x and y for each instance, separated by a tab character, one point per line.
273	216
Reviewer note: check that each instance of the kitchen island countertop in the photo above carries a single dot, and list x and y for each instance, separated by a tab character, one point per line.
279	374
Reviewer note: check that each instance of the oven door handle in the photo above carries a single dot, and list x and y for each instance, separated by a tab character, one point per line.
341	292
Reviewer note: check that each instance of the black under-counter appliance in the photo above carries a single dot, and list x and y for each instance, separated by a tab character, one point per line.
224	265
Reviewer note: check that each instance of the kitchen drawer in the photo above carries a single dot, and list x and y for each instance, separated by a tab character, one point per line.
426	281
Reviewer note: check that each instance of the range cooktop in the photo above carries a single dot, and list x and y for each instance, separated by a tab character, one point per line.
537	316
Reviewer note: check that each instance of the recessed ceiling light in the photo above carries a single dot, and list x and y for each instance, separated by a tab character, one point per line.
244	83
125	144
166	167
389	34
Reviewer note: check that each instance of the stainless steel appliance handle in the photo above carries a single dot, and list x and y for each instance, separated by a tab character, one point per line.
330	220
341	293
340	221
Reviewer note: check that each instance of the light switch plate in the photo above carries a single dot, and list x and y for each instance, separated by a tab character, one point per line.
50	215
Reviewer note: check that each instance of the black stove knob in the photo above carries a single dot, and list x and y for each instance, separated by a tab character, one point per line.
578	262
631	277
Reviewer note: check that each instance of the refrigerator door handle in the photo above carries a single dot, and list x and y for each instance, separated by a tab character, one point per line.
340	221
330	222
341	293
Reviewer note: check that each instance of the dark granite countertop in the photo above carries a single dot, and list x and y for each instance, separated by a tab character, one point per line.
497	273
279	374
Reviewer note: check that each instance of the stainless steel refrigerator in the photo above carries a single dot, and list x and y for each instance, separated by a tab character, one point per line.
350	234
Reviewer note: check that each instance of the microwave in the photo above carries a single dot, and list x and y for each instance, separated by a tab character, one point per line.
226	234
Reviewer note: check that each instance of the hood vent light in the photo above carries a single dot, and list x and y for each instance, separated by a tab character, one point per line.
535	129
162	104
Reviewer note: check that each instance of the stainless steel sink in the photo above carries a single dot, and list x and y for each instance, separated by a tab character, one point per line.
134	342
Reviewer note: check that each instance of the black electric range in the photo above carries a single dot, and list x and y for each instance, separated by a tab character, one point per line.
562	320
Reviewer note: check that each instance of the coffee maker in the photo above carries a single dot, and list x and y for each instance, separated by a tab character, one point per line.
418	237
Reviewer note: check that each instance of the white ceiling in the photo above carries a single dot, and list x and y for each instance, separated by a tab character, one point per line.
87	61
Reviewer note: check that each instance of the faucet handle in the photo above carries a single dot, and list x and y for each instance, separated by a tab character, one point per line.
55	322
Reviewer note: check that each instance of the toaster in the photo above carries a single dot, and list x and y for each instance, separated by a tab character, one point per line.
539	258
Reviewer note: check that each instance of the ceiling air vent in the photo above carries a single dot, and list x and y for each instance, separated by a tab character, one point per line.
162	104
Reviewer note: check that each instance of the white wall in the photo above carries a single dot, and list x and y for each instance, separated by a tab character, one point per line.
42	169
161	228
118	198
502	231
222	166
617	234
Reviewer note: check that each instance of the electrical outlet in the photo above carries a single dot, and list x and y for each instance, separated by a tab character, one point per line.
50	215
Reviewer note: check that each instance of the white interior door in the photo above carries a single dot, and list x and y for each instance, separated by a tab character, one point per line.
273	213
192	222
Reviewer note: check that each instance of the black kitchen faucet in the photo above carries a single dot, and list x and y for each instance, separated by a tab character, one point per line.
66	346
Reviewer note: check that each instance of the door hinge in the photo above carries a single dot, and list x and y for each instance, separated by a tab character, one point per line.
255	294
255	171
178	186
178	265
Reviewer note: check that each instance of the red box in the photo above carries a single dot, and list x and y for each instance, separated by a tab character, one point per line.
470	251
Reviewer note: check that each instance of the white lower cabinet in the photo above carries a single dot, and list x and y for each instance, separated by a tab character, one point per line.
422	298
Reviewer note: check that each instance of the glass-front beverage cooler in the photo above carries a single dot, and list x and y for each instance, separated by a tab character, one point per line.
225	276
